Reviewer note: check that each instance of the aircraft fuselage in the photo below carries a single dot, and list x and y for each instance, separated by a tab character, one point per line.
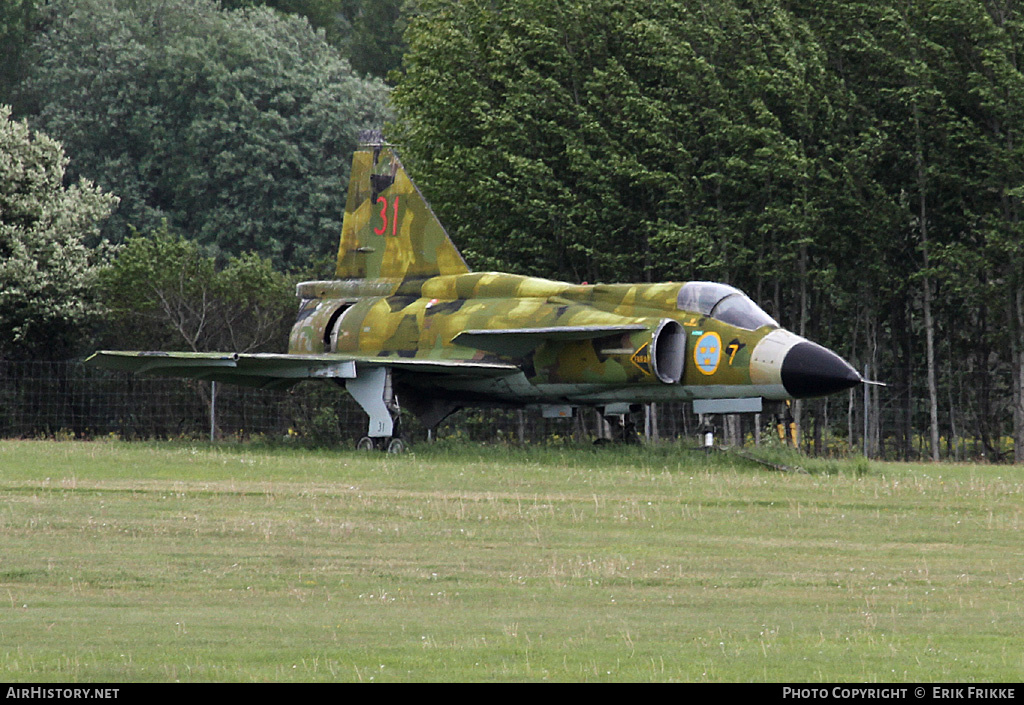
618	342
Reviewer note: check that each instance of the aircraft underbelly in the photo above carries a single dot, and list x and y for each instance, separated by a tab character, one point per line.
517	389
670	393
513	388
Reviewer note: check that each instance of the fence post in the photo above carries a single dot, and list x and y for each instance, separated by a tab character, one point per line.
213	410
866	368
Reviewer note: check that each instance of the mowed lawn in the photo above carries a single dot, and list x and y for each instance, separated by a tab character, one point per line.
127	562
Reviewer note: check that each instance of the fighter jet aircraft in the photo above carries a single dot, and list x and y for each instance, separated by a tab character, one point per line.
407	320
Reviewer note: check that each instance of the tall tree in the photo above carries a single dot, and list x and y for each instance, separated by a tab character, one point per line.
19	19
854	165
235	126
636	140
367	32
939	83
162	292
48	298
567	139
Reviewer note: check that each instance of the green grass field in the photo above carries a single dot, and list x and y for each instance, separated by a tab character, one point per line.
127	562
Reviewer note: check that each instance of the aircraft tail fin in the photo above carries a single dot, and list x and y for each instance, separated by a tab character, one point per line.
389	231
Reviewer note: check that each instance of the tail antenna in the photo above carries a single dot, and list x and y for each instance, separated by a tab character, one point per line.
372	138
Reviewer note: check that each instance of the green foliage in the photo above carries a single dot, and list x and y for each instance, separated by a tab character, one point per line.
237	127
843	162
18	20
47	275
370	34
367	32
162	292
942	86
622	140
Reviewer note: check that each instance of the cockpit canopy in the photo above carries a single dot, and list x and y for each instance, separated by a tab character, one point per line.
723	303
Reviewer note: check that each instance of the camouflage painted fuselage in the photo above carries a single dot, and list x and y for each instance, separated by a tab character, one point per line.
427	318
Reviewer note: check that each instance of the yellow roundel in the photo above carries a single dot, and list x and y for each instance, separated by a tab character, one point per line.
707	353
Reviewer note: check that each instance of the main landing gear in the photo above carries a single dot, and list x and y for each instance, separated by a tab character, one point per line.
372	390
390	445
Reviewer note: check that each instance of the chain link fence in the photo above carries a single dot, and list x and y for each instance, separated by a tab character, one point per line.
69	399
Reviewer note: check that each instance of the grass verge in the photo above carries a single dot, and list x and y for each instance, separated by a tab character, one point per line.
195	562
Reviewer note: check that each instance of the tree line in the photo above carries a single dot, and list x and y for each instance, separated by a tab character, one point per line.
854	166
175	166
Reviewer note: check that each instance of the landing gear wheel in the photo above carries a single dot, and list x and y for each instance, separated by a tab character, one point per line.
366	443
396	445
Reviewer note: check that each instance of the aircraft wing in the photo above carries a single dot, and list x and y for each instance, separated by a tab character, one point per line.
272	370
516	342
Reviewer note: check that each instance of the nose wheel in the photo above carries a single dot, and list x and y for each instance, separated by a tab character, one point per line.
621	421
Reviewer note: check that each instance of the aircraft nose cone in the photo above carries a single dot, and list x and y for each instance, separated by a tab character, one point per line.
809	370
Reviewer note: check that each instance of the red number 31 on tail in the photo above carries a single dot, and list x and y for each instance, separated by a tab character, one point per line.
383	229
